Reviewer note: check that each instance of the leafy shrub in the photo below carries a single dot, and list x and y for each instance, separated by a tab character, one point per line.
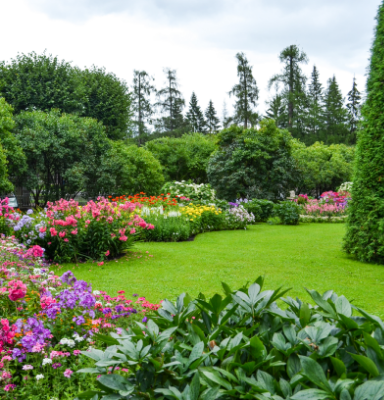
252	206
238	218
274	221
244	346
288	212
266	208
253	163
200	192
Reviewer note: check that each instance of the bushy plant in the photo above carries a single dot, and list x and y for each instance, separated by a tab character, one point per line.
288	212
238	218
194	191
244	346
266	208
253	163
69	232
252	206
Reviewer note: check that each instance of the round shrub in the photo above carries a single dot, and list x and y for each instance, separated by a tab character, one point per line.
288	212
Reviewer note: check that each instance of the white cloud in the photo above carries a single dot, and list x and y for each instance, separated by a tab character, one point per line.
197	40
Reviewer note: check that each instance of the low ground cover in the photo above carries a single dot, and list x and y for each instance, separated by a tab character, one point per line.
305	255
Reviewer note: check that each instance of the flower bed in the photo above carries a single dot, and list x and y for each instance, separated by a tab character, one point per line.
47	321
68	231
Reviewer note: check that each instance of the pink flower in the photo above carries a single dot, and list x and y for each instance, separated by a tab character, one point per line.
87	221
132	231
53	231
74	232
68	373
66	240
9	387
107	253
62	234
76	352
123	238
100	263
43	229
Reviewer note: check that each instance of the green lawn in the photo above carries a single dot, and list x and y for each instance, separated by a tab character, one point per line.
307	255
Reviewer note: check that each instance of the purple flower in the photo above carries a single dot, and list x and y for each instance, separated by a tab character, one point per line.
79	320
68	278
135	295
56	365
106	311
145	319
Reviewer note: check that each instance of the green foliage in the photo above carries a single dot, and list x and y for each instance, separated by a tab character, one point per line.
353	106
335	115
266	208
293	80
41	82
171	104
64	154
276	110
183	158
364	237
142	106
253	163
288	212
243	346
254	207
106	98
212	121
246	93
195	116
323	167
134	170
16	160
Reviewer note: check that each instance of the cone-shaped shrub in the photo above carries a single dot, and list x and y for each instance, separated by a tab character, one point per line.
365	230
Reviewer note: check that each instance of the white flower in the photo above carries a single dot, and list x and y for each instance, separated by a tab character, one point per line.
96	292
67	342
40	376
37	271
47	361
108	304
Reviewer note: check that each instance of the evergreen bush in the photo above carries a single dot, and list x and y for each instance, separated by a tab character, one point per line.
365	238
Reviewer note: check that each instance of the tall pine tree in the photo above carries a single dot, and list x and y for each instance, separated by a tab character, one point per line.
365	224
142	106
335	115
277	110
212	121
195	116
353	106
293	80
314	119
171	104
246	93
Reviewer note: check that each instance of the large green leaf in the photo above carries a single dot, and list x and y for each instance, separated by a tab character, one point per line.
366	363
311	394
343	306
305	315
194	389
257	347
313	371
215	377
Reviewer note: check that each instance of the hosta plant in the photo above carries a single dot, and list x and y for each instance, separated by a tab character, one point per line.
244	346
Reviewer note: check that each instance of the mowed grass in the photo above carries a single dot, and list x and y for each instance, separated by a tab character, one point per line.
307	255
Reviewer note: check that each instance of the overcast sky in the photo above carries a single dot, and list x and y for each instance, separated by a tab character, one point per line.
198	38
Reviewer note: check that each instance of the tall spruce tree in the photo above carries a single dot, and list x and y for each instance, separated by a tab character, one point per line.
277	110
141	102
293	80
195	116
335	115
171	104
353	106
315	111
246	93
365	238
212	121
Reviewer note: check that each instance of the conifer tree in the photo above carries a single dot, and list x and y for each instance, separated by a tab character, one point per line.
227	120
141	102
314	120
277	110
335	114
293	80
353	106
246	92
365	238
195	116
212	121
171	104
